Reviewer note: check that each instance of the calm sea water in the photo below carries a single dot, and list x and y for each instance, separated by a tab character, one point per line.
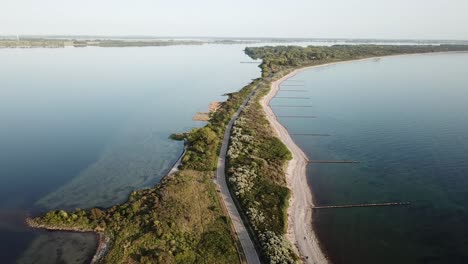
84	127
406	120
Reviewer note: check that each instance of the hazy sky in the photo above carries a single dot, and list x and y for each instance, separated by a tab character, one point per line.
432	19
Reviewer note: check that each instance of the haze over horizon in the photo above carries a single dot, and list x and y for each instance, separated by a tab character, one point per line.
398	19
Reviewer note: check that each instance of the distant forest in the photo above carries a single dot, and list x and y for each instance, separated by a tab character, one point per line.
277	58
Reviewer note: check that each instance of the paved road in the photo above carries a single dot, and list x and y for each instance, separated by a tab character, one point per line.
242	233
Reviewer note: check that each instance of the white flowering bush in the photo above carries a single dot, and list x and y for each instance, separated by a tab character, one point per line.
256	217
243	173
240	121
242	180
276	248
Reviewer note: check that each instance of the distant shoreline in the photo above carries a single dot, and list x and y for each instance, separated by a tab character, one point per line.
46	41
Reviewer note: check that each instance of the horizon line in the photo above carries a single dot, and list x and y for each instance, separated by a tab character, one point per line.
236	37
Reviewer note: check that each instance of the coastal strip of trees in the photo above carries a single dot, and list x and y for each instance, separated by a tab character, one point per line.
286	58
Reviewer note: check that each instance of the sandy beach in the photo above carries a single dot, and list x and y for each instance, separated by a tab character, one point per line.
300	231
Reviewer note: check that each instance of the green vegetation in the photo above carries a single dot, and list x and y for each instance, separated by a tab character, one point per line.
203	143
37	43
178	221
256	174
276	59
178	136
202	150
60	43
256	161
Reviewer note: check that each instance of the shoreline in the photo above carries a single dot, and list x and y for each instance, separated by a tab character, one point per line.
300	231
102	239
175	167
301	235
103	246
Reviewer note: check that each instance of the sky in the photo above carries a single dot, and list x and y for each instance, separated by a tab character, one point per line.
386	19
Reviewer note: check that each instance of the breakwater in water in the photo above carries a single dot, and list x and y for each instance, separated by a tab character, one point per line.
360	205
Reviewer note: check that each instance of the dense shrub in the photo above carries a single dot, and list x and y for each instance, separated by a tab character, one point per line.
256	175
277	248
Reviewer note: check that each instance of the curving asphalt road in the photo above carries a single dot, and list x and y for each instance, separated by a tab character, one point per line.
220	180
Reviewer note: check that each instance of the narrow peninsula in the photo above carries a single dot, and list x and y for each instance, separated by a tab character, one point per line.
184	218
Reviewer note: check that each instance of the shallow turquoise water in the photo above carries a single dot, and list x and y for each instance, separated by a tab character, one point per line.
406	120
84	127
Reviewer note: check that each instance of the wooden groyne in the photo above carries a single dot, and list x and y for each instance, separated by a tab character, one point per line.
290	116
290	90
333	161
362	205
314	135
293	97
292	105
